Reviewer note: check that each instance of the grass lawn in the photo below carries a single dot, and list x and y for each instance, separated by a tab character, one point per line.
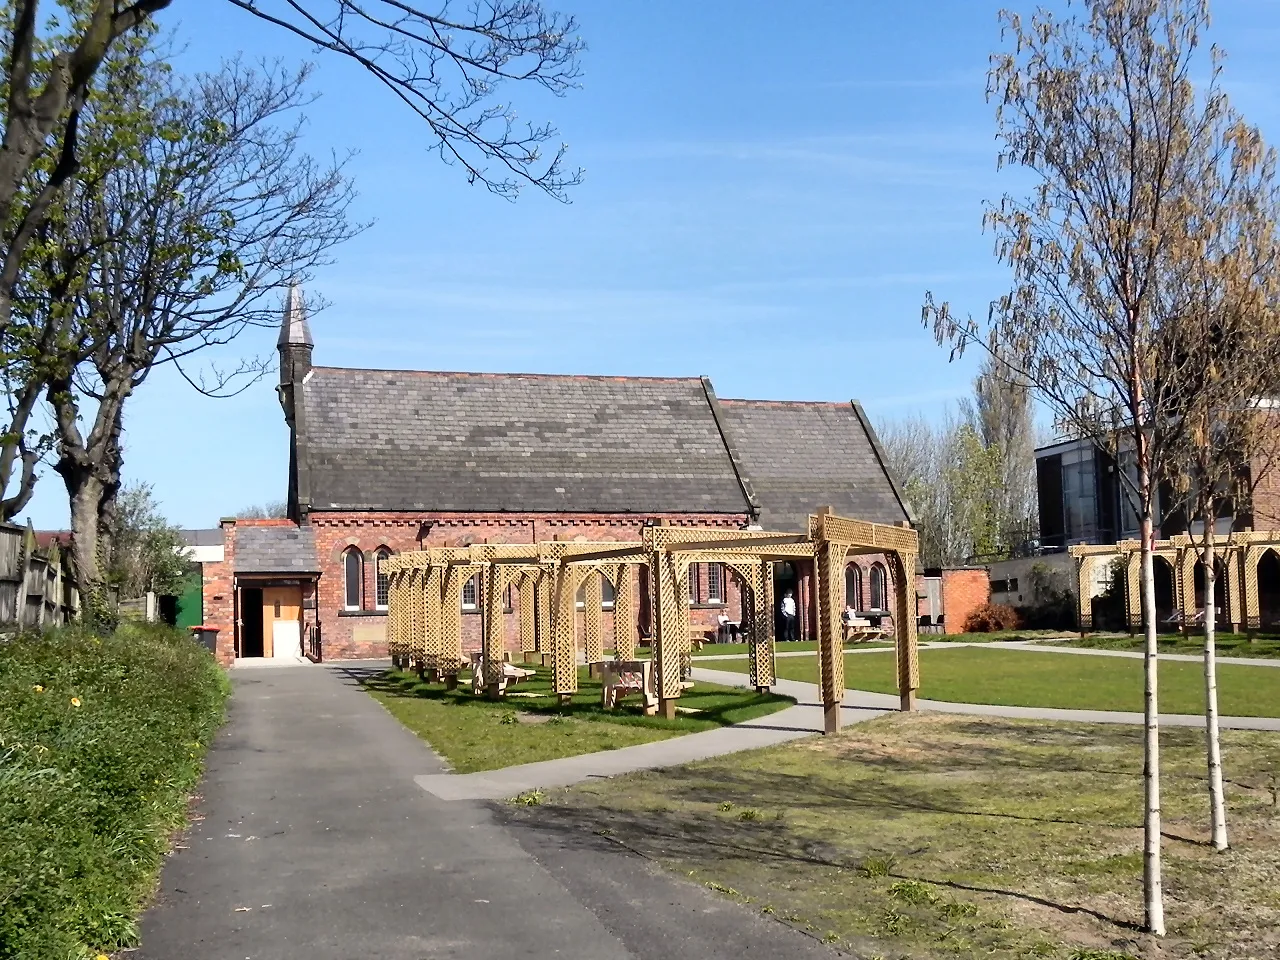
958	837
1228	644
474	733
805	646
1028	679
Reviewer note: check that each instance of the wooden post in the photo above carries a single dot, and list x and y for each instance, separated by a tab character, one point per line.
906	643
668	625
763	670
564	664
828	566
431	613
493	640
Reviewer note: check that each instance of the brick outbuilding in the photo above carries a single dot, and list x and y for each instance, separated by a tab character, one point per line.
383	461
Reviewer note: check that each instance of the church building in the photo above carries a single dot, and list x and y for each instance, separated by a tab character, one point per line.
383	461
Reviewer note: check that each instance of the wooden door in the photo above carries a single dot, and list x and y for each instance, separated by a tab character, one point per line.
279	605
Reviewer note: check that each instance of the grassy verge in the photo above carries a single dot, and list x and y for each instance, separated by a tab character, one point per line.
993	636
474	733
1018	678
101	740
1227	644
959	837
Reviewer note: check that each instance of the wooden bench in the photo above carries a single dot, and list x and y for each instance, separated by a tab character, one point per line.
510	674
618	678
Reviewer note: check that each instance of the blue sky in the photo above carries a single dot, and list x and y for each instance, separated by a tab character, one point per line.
770	190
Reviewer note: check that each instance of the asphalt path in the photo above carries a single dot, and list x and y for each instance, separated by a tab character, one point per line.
313	840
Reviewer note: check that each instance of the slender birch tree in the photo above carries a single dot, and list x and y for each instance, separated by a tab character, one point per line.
1098	107
1224	349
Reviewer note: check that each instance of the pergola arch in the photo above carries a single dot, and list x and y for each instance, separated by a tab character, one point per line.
424	621
1238	554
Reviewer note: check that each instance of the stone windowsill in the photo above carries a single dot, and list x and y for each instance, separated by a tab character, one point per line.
362	613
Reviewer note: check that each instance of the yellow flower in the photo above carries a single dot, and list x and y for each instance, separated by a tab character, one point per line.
75	701
102	956
38	689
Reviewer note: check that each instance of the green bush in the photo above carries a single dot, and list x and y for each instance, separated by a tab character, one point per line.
101	740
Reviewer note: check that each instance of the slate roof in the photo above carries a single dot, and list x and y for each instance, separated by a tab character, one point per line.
405	440
798	457
280	549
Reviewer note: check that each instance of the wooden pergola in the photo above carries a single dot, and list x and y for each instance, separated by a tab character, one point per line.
1238	553
425	594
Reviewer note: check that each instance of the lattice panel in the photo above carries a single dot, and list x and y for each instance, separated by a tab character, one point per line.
542	596
528	613
1084	587
415	600
1186	566
763	666
592	640
493	645
624	618
564	667
1232	568
1252	604
432	613
830	568
906	642
668	626
396	615
1133	589
456	577
855	534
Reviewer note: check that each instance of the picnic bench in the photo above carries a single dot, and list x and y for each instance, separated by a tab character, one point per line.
510	674
618	678
858	630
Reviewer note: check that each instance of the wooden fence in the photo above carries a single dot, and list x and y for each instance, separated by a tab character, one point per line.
37	587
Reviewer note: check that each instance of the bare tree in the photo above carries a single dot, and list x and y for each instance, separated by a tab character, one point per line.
1225	348
1101	111
447	64
271	510
188	239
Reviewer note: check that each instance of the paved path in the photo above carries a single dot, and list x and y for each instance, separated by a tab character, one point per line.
1038	646
315	842
858	705
788	724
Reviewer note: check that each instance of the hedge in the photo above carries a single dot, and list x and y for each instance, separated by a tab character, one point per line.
101	741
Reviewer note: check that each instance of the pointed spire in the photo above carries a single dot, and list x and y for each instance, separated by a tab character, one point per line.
293	328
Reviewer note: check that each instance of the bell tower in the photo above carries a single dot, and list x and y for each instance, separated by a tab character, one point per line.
295	346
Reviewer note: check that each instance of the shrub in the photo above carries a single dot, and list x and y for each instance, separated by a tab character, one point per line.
101	739
991	617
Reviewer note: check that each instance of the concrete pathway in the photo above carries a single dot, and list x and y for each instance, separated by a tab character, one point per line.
1038	646
789	724
859	705
313	841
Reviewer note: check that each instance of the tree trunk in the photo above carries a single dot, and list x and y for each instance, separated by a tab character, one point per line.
1213	743
1151	882
95	605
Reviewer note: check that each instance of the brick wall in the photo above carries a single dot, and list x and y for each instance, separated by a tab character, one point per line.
362	634
963	591
218	586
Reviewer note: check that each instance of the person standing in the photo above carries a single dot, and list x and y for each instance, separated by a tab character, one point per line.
788	610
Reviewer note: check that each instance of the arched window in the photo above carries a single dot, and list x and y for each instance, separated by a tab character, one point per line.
381	579
607	593
853	586
353	579
879	600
